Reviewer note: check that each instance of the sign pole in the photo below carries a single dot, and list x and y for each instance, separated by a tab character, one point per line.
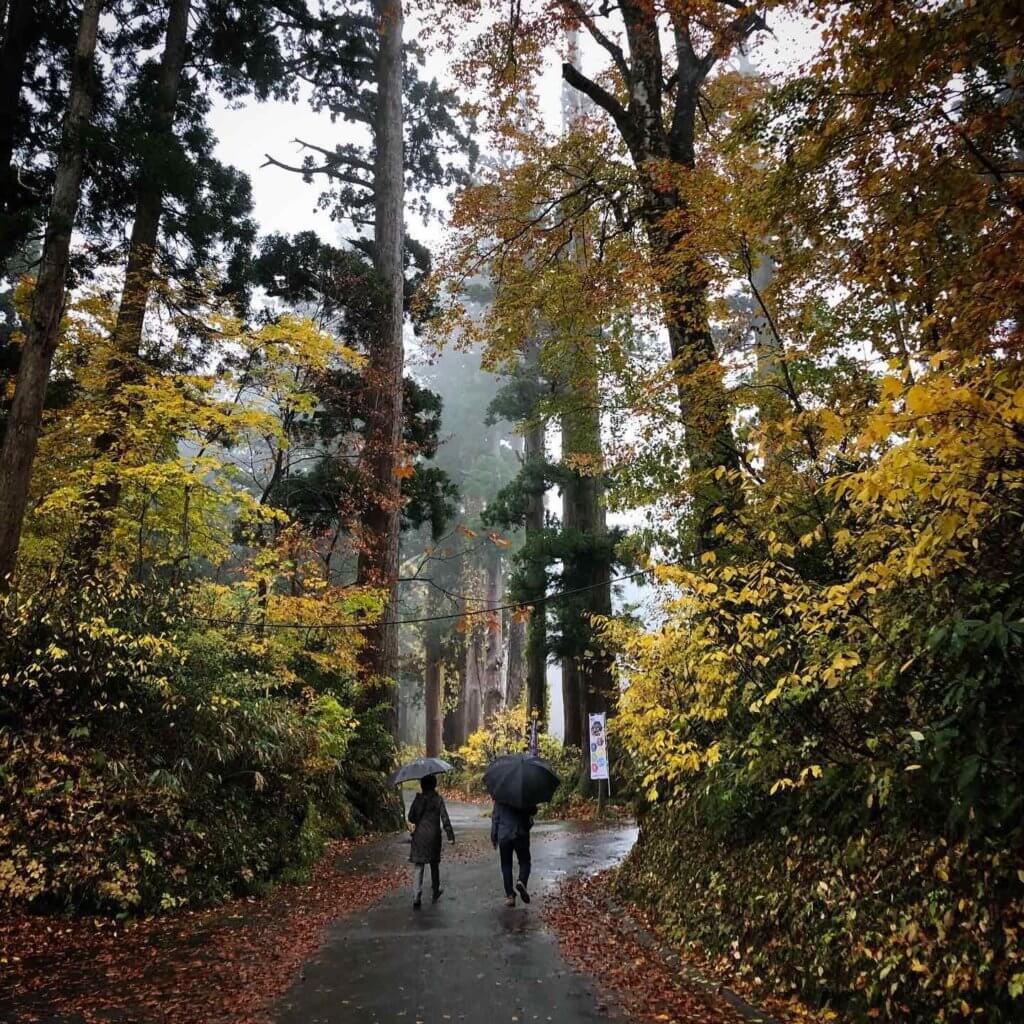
597	744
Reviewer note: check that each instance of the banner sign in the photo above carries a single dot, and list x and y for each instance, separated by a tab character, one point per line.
598	747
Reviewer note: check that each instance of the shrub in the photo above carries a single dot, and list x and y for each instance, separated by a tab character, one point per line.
146	765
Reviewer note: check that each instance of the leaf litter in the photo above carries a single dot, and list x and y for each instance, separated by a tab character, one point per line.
221	965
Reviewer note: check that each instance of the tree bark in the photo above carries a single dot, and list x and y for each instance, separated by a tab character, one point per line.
571	736
586	671
24	421
587	565
378	557
433	678
455	718
138	278
536	581
474	680
494	652
516	670
20	31
658	138
124	369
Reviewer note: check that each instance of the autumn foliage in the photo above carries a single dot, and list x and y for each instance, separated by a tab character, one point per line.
823	720
825	724
163	741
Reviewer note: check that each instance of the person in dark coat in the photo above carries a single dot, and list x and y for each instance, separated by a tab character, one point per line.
510	835
427	814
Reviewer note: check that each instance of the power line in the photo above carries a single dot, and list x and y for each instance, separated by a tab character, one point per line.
363	624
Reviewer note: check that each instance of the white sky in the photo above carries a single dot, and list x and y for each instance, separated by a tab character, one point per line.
283	202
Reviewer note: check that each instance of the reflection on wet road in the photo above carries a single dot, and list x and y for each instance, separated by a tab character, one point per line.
469	958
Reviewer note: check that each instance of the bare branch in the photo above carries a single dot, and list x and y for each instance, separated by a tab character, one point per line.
335	155
580	13
328	170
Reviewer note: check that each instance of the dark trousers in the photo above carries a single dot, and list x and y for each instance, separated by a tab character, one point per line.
520	846
417	878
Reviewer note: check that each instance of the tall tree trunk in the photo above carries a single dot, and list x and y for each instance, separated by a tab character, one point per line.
709	438
474	680
139	271
378	557
536	581
138	278
571	735
587	565
516	669
657	124
597	679
455	718
433	678
20	31
25	418
494	647
586	673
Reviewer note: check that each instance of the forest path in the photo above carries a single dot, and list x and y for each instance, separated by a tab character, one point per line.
468	959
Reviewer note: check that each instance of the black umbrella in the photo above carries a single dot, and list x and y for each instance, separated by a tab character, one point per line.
419	768
521	780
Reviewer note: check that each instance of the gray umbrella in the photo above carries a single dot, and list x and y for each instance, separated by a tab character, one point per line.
419	768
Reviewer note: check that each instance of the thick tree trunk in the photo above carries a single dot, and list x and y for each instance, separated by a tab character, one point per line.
587	566
138	278
494	647
708	435
536	580
474	680
25	417
586	562
455	718
20	32
435	719
571	735
516	673
658	138
378	557
139	271
597	680
433	678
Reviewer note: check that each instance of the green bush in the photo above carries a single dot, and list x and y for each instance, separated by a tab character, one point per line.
879	924
147	766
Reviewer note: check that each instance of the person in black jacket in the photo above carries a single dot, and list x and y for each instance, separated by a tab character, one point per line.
510	834
427	814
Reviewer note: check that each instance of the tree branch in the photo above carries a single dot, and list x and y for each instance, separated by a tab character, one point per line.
585	19
601	96
326	169
335	155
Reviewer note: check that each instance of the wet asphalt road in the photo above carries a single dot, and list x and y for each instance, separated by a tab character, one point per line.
467	959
